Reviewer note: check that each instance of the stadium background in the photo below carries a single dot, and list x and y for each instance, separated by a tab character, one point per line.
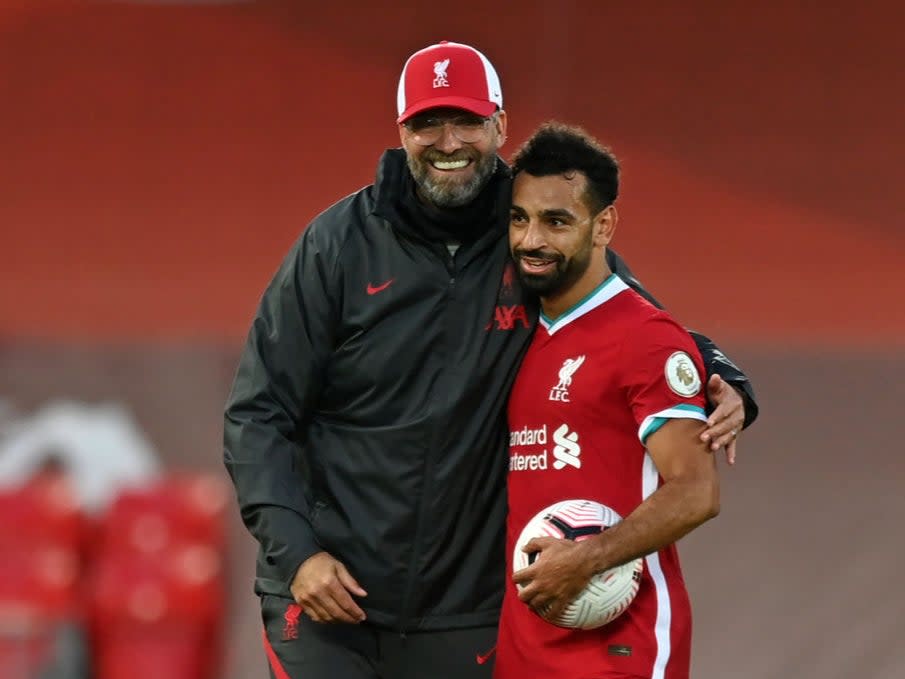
157	161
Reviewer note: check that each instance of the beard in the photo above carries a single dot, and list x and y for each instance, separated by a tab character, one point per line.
563	276
451	192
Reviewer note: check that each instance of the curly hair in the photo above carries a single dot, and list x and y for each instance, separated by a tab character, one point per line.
556	148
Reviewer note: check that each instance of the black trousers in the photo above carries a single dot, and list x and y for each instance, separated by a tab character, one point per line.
298	648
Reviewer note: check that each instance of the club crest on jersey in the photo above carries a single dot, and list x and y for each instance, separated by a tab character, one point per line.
440	77
561	391
682	375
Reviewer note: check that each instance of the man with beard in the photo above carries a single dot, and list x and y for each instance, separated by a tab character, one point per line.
365	431
628	418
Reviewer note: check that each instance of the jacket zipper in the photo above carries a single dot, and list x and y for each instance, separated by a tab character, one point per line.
412	579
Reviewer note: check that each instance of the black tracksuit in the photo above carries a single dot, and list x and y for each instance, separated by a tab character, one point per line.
367	417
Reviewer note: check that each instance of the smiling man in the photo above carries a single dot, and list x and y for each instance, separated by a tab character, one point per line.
452	179
366	428
632	419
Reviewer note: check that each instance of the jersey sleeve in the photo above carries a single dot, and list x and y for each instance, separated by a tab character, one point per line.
715	361
662	375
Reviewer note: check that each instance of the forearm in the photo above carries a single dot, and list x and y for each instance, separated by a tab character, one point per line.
270	494
286	537
675	509
279	524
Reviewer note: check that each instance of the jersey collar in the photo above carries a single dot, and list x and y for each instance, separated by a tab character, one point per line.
604	292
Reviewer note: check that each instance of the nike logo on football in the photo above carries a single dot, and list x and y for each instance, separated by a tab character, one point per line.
374	289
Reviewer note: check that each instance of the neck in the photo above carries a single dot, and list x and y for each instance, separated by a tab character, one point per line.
557	304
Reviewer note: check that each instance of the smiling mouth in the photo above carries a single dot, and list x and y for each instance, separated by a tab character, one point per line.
536	265
447	165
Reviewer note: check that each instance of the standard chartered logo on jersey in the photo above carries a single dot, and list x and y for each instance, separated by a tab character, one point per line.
566	449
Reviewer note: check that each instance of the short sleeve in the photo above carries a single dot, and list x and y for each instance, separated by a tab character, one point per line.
662	374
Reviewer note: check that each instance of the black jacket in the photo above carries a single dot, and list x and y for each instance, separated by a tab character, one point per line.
367	417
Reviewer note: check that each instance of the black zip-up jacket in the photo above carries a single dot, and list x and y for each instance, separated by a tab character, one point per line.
367	417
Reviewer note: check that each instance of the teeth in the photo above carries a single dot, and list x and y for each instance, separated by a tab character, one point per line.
450	164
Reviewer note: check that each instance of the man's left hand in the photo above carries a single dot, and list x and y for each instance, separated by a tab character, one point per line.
727	418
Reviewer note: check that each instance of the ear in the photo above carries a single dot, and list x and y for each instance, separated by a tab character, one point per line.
402	130
605	226
502	122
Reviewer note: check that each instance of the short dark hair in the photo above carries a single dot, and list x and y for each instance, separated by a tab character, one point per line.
556	148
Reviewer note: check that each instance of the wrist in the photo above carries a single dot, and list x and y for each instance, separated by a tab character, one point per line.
745	407
597	555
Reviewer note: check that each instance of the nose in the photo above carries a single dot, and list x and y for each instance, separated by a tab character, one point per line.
448	141
531	236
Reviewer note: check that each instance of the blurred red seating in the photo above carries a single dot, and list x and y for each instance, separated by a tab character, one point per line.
184	583
44	580
167	654
158	583
42	541
40	513
175	510
39	593
22	657
155	586
159	616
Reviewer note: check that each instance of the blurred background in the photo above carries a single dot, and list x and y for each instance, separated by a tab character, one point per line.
157	159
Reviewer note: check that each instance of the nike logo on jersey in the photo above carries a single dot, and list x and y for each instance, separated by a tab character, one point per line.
374	289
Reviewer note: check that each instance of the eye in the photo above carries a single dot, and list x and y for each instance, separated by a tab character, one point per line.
469	122
421	124
516	217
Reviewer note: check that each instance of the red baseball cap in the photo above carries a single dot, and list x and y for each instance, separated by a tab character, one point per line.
448	74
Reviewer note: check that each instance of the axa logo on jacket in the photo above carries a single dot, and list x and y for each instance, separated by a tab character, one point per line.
506	317
508	314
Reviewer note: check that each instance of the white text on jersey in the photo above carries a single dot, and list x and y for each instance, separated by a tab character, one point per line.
566	452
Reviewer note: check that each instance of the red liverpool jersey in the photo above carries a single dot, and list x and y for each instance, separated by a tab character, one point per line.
595	383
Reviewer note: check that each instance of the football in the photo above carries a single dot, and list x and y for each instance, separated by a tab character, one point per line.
609	593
